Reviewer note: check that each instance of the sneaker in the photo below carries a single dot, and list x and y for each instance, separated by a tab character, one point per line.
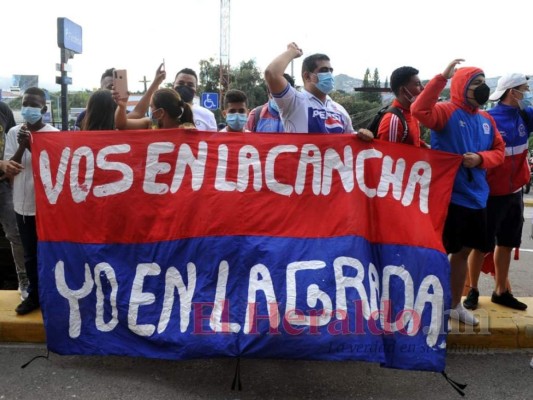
27	306
471	299
508	300
23	293
460	313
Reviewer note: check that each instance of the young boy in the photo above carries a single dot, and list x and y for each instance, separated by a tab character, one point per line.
18	149
235	111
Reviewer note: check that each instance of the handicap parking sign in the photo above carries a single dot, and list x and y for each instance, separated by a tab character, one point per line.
209	101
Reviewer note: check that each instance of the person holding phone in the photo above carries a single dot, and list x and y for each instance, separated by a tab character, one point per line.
167	110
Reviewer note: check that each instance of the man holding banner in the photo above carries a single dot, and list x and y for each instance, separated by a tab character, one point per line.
459	126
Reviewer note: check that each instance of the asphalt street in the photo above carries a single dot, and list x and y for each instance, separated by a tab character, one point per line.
489	374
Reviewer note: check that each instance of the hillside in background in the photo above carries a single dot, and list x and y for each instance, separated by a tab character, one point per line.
347	83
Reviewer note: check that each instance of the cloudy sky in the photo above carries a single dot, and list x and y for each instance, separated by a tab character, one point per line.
356	35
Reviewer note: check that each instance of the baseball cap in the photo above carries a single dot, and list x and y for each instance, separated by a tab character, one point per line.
506	82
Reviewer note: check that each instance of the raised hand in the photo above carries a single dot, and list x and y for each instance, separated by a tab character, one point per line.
450	69
295	50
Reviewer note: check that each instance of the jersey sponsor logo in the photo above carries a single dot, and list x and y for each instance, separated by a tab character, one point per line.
325	121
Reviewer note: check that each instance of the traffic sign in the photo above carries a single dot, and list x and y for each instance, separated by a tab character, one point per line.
63	80
209	101
63	67
69	35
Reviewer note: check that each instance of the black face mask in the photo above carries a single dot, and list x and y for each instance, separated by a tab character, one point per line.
481	94
185	92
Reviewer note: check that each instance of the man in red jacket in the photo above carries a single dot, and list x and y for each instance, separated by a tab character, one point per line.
406	86
460	126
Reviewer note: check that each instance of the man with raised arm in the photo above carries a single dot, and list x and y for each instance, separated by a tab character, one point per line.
311	110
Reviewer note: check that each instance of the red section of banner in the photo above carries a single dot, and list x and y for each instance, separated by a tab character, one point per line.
142	185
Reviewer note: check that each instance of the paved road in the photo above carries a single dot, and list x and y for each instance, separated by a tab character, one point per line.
490	376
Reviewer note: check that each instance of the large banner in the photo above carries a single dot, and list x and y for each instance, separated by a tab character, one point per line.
180	244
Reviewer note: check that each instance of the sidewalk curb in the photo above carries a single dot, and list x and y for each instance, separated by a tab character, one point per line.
499	327
528	202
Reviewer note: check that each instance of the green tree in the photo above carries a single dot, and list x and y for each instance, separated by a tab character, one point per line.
366	78
79	99
370	95
361	111
248	78
209	81
16	103
375	79
209	76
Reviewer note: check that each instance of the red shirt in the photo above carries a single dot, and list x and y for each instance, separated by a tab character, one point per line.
391	127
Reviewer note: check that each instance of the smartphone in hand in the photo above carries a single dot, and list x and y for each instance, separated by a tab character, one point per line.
120	82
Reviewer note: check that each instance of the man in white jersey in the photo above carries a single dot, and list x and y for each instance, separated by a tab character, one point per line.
18	149
311	110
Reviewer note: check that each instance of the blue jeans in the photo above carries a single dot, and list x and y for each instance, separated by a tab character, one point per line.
28	234
9	225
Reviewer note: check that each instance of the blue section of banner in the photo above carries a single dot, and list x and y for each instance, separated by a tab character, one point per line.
152	318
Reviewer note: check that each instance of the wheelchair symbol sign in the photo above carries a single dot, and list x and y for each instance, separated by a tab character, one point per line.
210	101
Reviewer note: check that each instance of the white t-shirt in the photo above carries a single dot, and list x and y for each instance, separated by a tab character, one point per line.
304	113
204	119
23	188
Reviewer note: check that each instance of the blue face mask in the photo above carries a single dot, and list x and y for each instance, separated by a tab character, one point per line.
527	100
325	83
236	121
31	114
273	105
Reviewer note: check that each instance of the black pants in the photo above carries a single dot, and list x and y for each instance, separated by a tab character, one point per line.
28	235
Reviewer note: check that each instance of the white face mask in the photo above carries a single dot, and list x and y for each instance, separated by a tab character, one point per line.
526	100
411	99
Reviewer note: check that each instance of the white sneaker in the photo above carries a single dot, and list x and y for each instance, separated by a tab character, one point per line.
23	293
460	313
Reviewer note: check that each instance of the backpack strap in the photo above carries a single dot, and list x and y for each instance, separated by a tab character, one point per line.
396	111
257	116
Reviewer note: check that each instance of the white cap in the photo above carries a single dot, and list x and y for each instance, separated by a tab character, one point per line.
506	82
